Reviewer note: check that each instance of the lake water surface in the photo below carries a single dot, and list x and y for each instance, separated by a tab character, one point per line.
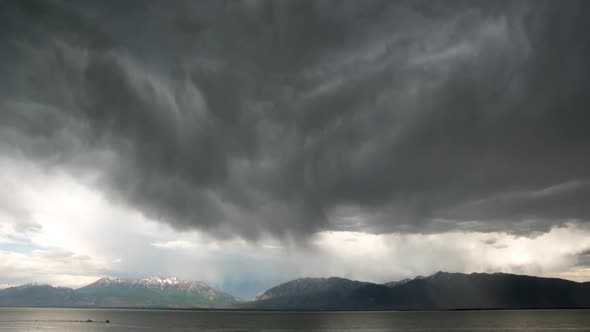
33	319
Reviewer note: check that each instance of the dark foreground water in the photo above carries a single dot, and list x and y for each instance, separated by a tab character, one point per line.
18	319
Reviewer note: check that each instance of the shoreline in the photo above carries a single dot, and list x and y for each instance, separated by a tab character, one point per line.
237	310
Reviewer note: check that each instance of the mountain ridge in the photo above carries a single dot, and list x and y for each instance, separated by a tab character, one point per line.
442	291
155	291
309	291
439	291
476	291
120	292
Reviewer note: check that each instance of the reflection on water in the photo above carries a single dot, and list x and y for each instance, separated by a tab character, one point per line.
33	319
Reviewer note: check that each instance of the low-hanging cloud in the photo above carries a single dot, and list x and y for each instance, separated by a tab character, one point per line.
291	117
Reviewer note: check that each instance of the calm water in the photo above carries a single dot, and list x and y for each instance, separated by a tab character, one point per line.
17	319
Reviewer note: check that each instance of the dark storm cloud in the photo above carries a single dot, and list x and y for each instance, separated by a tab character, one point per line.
287	117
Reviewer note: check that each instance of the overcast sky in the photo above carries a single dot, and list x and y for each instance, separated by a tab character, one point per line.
246	143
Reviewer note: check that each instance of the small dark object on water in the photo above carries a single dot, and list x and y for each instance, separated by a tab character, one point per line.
89	321
107	321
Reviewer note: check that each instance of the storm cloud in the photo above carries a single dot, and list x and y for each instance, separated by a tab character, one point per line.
244	118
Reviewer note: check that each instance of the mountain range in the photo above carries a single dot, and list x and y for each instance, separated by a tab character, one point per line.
440	291
107	292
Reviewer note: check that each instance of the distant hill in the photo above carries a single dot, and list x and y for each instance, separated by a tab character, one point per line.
307	292
106	292
37	295
439	291
474	291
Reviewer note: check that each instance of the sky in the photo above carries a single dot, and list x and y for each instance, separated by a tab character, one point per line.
247	143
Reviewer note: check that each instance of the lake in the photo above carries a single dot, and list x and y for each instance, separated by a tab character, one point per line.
34	319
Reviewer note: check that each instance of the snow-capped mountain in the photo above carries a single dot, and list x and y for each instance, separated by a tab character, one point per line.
154	291
153	282
107	292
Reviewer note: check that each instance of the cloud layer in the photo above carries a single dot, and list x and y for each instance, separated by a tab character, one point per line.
74	234
287	118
